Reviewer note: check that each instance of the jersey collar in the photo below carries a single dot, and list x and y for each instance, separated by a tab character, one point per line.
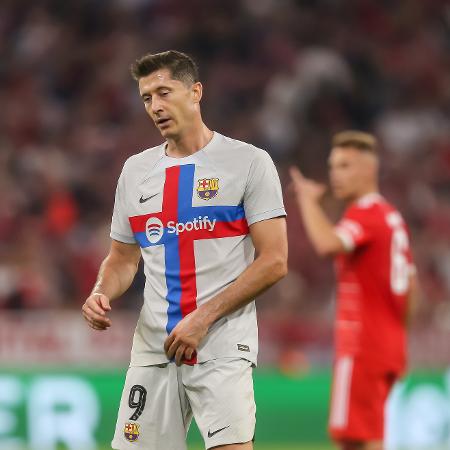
369	199
189	158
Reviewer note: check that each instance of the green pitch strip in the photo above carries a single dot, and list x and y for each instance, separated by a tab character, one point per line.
272	447
282	447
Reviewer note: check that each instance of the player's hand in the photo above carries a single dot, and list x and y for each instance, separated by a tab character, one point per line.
94	311
305	188
185	338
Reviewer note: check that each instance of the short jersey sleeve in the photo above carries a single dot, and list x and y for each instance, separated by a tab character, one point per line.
120	225
263	198
354	229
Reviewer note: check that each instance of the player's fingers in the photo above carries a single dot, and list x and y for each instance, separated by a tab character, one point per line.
95	316
321	187
102	322
179	355
87	318
95	325
189	360
188	353
104	301
173	348
296	175
168	343
291	187
93	302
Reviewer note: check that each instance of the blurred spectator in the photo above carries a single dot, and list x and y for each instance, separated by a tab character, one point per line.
284	75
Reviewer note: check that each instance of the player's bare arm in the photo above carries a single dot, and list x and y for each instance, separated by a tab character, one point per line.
319	228
270	265
115	276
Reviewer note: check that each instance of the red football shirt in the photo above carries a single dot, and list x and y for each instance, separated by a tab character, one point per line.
373	283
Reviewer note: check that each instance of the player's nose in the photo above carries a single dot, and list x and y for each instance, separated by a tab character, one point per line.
156	107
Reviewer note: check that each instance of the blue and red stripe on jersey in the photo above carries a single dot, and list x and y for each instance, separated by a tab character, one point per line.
179	248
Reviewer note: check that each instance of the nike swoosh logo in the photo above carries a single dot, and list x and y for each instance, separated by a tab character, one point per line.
210	435
143	200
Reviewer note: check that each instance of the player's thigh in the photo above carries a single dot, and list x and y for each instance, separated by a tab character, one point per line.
221	395
359	394
153	412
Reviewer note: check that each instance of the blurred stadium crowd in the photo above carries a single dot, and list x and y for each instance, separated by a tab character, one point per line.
282	74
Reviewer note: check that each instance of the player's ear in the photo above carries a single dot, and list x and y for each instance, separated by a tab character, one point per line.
197	91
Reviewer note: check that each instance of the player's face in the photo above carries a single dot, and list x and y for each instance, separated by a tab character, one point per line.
172	105
351	171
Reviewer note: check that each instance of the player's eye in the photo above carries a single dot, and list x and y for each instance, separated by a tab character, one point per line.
147	99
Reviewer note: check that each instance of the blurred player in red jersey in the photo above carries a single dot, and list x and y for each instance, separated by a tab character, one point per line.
376	287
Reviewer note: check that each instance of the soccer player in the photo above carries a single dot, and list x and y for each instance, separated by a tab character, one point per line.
196	208
375	285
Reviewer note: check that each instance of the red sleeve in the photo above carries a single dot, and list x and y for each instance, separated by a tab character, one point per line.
354	229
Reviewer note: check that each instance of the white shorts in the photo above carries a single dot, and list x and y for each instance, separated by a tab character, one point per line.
158	403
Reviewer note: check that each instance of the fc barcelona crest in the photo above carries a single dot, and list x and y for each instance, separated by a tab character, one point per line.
207	188
131	432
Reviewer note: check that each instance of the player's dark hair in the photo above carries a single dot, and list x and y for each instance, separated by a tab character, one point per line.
181	66
355	139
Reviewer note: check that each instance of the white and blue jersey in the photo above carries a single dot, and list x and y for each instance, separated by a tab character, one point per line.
191	218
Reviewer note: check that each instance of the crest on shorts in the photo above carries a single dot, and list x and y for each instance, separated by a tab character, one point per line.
207	188
131	432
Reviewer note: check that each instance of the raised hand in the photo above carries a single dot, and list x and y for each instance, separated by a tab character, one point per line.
305	188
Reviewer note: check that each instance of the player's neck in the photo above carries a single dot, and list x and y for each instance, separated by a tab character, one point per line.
368	191
189	142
